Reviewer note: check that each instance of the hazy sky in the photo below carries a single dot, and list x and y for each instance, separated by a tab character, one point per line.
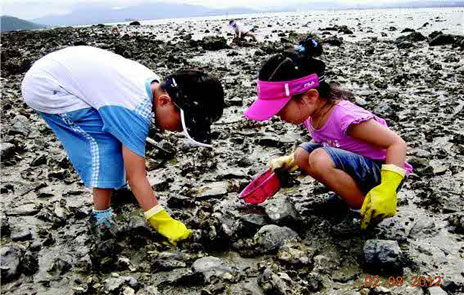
29	9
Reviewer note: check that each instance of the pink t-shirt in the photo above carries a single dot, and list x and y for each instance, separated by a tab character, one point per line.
333	133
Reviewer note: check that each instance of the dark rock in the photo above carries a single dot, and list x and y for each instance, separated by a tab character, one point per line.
383	256
10	262
214	43
442	39
408	30
179	201
281	211
29	263
251	223
39	160
270	237
22	235
451	286
166	261
5	229
6	150
414	37
134	23
334	40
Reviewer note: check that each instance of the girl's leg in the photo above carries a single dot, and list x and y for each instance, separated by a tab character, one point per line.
319	165
101	198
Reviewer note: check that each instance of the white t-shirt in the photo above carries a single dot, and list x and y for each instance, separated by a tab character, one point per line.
81	77
239	28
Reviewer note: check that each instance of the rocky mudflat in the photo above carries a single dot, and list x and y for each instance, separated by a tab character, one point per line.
405	65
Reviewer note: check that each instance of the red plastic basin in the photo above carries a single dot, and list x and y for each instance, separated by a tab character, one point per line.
263	186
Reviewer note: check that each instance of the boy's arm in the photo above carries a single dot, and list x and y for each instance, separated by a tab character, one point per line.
137	178
155	214
378	135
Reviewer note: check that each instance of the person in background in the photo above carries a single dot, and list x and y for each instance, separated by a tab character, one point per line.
241	31
100	106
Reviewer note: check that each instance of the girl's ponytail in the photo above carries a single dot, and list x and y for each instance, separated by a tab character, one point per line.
310	47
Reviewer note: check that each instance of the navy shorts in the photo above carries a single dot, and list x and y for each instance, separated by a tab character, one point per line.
364	171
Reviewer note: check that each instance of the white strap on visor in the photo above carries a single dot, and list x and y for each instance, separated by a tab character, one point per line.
184	127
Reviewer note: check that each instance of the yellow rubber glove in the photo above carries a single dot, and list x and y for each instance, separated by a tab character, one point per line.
285	162
172	229
380	202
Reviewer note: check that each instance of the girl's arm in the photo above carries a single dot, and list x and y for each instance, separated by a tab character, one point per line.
137	178
373	133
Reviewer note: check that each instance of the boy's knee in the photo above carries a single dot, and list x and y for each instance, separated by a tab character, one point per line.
319	161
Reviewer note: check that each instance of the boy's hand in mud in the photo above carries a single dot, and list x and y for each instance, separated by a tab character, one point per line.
286	163
174	230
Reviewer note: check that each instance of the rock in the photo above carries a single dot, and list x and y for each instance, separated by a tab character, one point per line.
406	41
29	263
383	256
39	160
114	284
166	261
272	283
10	263
436	291
20	125
25	210
134	23
6	150
281	211
270	237
408	30
334	40
5	229
22	234
213	190
442	39
295	254
451	286
212	266
251	223
214	43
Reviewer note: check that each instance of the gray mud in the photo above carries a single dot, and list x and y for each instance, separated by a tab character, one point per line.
287	245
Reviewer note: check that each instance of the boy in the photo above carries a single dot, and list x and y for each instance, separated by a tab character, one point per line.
100	105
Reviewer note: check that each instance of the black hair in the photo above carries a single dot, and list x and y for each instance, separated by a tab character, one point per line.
290	66
311	46
197	91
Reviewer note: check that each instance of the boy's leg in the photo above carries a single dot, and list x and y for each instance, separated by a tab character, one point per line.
101	198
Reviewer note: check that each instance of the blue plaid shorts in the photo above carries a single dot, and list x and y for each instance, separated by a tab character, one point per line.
95	154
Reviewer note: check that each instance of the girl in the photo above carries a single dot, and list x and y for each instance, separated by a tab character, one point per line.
353	152
100	106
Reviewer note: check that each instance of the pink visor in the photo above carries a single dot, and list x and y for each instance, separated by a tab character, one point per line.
274	95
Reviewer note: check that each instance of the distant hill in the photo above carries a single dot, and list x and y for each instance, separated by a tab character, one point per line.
11	23
94	13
